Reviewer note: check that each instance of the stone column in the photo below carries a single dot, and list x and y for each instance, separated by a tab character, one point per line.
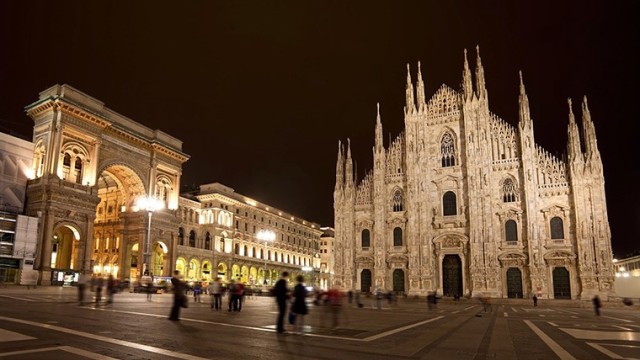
45	257
88	245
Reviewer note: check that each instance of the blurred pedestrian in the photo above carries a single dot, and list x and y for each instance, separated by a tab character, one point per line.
281	293
83	281
299	306
334	298
597	304
99	284
239	296
147	284
350	296
232	296
179	297
111	288
215	291
197	290
378	297
535	300
432	300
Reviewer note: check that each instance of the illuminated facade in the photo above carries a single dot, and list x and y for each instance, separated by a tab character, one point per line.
464	203
218	236
92	166
327	270
628	276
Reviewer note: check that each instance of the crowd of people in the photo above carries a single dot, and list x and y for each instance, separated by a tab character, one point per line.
292	302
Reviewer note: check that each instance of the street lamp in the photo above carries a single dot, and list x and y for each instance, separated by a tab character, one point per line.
266	236
149	204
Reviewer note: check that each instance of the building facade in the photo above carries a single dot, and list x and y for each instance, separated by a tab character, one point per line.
628	277
220	235
464	203
91	167
17	232
327	257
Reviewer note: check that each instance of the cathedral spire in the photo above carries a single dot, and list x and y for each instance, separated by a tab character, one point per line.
467	81
379	145
573	147
420	94
481	89
411	105
340	167
525	115
590	141
348	166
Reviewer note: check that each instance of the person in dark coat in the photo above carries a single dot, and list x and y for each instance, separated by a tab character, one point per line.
299	306
178	296
281	293
597	304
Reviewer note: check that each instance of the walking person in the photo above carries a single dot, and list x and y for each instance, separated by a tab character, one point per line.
83	281
179	298
299	306
334	300
147	283
197	290
215	290
597	304
378	296
99	284
535	300
239	296
232	294
111	289
281	292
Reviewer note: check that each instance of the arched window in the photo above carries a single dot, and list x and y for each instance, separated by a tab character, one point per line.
192	238
397	237
447	150
207	241
511	230
66	166
237	249
397	200
449	206
180	236
366	238
557	228
508	191
221	244
77	171
246	251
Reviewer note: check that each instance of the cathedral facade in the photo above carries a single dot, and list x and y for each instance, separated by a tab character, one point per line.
463	203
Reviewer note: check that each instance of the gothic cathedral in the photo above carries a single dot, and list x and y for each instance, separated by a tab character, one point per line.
462	203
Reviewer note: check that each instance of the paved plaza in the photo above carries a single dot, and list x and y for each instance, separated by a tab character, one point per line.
47	323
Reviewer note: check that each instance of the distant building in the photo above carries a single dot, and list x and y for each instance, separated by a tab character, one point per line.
18	233
221	234
628	277
462	202
326	257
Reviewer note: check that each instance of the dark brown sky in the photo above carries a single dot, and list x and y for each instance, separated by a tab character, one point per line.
261	91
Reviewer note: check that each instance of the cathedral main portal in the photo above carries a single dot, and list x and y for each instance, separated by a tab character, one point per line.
451	275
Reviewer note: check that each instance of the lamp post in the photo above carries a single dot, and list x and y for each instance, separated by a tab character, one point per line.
266	236
149	204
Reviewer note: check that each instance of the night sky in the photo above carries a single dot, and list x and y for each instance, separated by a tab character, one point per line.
261	91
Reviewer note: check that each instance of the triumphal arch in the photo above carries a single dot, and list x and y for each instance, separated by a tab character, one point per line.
91	166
